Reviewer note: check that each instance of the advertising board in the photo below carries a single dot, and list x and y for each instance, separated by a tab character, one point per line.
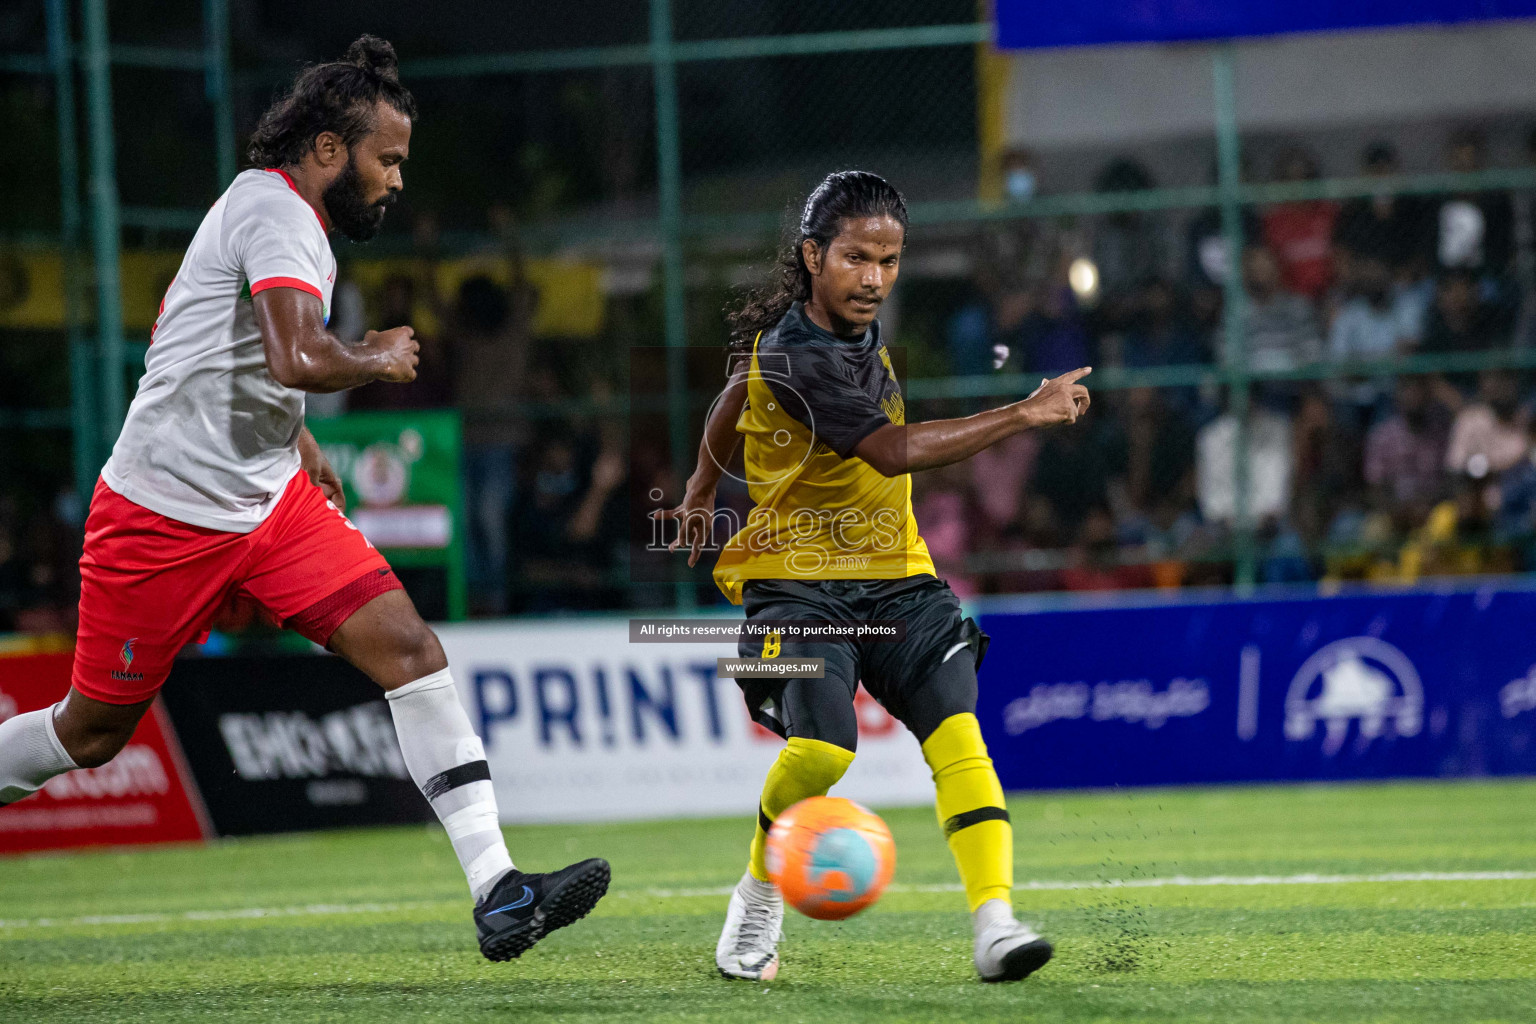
1349	687
143	795
580	724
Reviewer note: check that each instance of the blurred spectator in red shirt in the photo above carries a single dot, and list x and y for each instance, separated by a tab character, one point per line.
1301	233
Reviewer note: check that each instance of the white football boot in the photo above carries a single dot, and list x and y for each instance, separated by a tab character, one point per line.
754	923
1006	950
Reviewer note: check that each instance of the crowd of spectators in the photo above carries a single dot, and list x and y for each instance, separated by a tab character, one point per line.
39	548
1376	476
545	462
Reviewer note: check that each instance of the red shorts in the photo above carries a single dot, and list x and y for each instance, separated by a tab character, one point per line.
150	585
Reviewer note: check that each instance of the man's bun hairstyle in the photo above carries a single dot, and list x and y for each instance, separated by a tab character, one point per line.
336	97
377	55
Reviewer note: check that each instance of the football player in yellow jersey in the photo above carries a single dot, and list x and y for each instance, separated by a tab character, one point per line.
832	539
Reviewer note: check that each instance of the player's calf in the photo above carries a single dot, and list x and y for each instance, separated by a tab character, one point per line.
513	909
93	732
387	639
447	761
77	732
976	826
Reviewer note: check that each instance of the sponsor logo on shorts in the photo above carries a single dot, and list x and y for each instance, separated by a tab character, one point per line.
126	657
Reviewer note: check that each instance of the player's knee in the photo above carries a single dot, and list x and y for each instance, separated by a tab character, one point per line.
949	693
419	651
815	762
956	746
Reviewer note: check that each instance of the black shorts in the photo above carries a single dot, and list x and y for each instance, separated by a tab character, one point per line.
910	677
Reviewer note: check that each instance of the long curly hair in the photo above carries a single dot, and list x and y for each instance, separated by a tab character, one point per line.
840	195
336	97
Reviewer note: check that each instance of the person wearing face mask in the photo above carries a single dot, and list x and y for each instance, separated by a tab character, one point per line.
1024	249
1020	181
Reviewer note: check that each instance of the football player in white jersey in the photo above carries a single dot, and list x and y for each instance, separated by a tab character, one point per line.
215	489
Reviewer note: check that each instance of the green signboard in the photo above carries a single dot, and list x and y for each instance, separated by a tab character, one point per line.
400	471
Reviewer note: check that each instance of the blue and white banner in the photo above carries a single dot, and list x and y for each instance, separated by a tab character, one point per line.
579	724
1352	687
1025	24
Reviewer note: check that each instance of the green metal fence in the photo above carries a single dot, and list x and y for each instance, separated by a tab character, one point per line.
101	357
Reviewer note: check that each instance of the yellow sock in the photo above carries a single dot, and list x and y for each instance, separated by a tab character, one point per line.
971	809
805	768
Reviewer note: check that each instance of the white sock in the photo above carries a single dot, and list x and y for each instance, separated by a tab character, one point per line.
758	889
30	754
447	761
991	913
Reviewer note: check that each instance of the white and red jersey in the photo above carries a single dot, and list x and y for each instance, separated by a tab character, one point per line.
211	439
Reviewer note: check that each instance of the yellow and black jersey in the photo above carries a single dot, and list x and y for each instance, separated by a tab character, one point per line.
821	513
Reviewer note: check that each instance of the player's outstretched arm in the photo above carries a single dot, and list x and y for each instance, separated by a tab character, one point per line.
697	509
895	449
302	354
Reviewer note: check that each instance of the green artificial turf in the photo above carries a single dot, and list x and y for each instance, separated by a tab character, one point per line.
374	925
